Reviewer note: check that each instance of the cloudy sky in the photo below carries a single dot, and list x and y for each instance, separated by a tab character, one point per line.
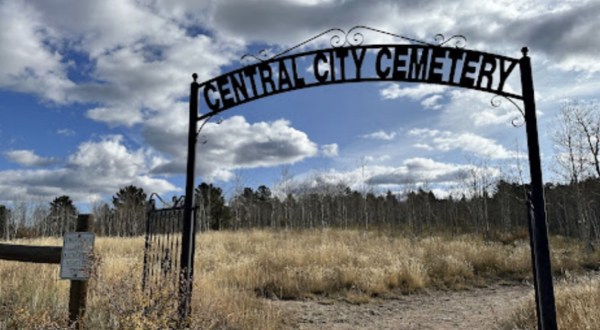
93	95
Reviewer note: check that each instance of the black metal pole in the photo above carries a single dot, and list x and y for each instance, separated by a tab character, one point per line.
187	239
530	218
543	267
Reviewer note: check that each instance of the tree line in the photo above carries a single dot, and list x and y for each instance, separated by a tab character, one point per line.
501	208
573	207
573	210
126	216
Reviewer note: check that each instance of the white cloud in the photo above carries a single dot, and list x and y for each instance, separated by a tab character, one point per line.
116	116
377	159
469	110
559	33
423	146
393	91
139	56
29	158
100	27
233	144
473	143
419	170
380	135
310	2
28	61
432	102
132	79
467	142
427	132
65	132
95	169
413	172
134	46
572	25
424	171
329	150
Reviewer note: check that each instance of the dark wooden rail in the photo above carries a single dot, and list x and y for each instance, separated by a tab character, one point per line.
29	253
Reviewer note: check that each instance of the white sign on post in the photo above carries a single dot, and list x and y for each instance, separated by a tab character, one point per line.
76	259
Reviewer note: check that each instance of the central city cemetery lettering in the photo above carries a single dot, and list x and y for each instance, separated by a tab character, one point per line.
412	63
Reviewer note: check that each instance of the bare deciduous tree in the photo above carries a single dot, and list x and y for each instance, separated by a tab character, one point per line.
570	150
587	118
577	147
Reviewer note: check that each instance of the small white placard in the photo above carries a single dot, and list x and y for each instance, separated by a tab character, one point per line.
76	259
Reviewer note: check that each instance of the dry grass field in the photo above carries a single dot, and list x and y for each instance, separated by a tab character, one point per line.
235	271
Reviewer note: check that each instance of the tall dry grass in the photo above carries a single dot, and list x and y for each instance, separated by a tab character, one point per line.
577	302
32	296
236	270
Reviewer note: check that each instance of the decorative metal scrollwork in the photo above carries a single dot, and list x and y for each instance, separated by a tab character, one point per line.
152	202
178	201
497	102
358	38
354	37
263	55
460	41
337	40
175	202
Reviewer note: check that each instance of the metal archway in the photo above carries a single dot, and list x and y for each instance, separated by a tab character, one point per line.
349	61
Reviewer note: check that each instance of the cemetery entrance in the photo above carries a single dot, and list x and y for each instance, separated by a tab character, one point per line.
347	59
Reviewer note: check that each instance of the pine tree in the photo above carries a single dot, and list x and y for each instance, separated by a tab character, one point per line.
62	217
130	211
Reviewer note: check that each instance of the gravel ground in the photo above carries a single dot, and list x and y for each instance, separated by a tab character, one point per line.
478	308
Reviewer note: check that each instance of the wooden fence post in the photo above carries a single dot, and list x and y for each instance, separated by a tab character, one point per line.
78	290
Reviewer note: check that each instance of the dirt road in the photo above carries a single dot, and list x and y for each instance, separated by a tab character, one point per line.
479	308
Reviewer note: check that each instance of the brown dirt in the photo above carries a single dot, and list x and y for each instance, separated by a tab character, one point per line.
478	308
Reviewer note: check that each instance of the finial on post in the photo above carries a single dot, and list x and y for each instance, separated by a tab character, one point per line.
524	50
195	76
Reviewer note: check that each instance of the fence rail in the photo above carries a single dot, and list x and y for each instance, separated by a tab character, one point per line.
30	253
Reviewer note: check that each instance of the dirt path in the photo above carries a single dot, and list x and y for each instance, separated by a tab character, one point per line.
480	308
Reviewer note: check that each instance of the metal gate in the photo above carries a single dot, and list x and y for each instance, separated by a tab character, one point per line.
162	251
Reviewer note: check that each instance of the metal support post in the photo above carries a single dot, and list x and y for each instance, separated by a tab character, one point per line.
189	228
530	218
542	269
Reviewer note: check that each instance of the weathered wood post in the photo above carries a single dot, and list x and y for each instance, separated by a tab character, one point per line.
78	290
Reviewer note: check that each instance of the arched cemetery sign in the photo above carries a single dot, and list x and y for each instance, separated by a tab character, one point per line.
348	60
410	63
